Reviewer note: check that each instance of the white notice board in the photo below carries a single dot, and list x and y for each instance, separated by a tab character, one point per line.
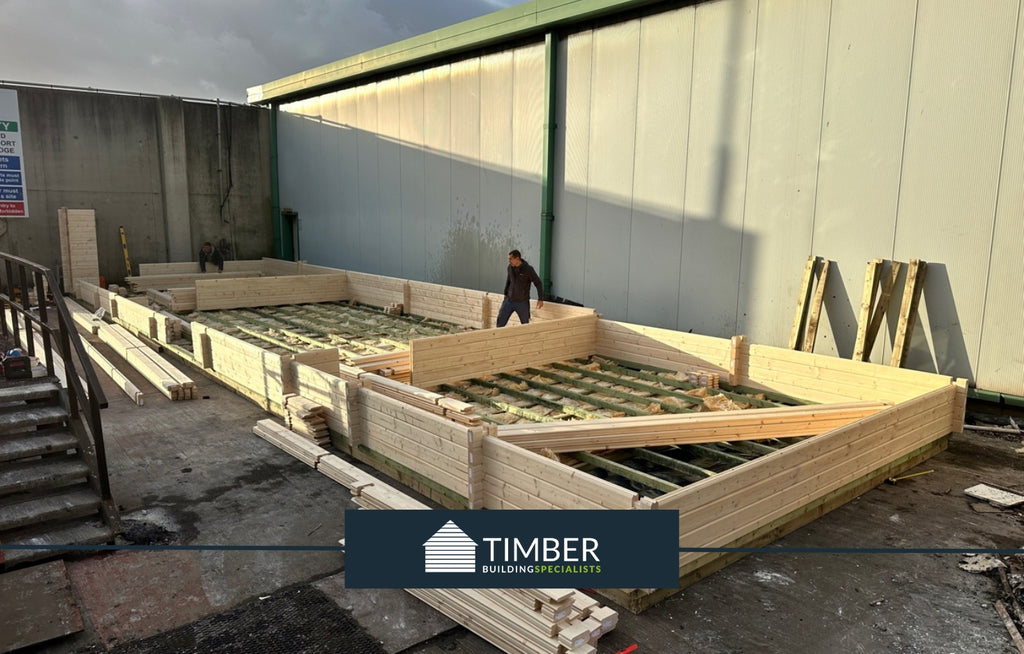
13	196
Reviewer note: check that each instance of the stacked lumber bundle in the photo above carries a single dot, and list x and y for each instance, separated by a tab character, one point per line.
394	365
306	418
527	621
104	364
703	378
167	379
301	448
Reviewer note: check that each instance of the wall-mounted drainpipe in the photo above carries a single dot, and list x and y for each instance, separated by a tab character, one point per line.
547	210
275	193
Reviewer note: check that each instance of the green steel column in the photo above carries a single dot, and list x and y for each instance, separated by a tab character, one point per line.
547	210
275	194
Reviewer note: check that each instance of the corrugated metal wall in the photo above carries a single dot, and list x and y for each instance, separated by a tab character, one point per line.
703	154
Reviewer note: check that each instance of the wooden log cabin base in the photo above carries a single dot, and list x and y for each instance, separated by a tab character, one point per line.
746	442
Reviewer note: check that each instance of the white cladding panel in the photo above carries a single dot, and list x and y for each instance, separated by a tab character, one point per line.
723	68
610	173
522	231
575	56
662	126
789	78
438	216
956	124
1000	364
389	176
413	172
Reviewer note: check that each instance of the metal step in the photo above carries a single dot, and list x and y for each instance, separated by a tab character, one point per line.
30	417
36	443
81	532
34	390
51	472
72	503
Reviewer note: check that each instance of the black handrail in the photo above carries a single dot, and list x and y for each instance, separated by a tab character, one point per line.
23	324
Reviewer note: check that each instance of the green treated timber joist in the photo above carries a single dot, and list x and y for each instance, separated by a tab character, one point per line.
627	472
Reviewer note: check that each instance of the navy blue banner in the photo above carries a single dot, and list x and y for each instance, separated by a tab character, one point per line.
511	549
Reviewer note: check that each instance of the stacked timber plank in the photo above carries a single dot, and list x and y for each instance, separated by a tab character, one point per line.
518	620
526	620
166	378
394	365
78	253
301	448
306	418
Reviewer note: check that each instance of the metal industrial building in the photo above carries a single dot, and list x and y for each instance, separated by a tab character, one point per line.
675	163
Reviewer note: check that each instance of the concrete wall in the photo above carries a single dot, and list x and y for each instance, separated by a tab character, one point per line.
158	166
703	153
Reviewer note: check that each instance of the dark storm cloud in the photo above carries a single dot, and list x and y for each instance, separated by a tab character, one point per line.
204	48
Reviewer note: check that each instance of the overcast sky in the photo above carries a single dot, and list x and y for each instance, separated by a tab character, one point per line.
204	48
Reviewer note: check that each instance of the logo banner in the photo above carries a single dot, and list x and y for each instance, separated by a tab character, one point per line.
512	549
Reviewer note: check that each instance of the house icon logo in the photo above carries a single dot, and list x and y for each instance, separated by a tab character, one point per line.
449	550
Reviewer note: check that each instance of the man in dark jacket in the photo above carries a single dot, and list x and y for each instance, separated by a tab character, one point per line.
517	290
211	254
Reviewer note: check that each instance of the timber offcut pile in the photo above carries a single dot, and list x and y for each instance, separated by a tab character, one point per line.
518	620
306	418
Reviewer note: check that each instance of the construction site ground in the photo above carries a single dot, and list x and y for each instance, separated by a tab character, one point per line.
192	473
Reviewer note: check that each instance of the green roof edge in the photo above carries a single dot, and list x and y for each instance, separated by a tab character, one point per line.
534	17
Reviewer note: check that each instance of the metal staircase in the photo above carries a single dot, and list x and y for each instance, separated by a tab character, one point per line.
54	488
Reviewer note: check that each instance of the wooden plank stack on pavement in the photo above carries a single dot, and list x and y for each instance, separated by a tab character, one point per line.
518	620
306	418
165	377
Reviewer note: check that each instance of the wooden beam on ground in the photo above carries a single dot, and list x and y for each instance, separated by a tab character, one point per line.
104	364
908	312
677	429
